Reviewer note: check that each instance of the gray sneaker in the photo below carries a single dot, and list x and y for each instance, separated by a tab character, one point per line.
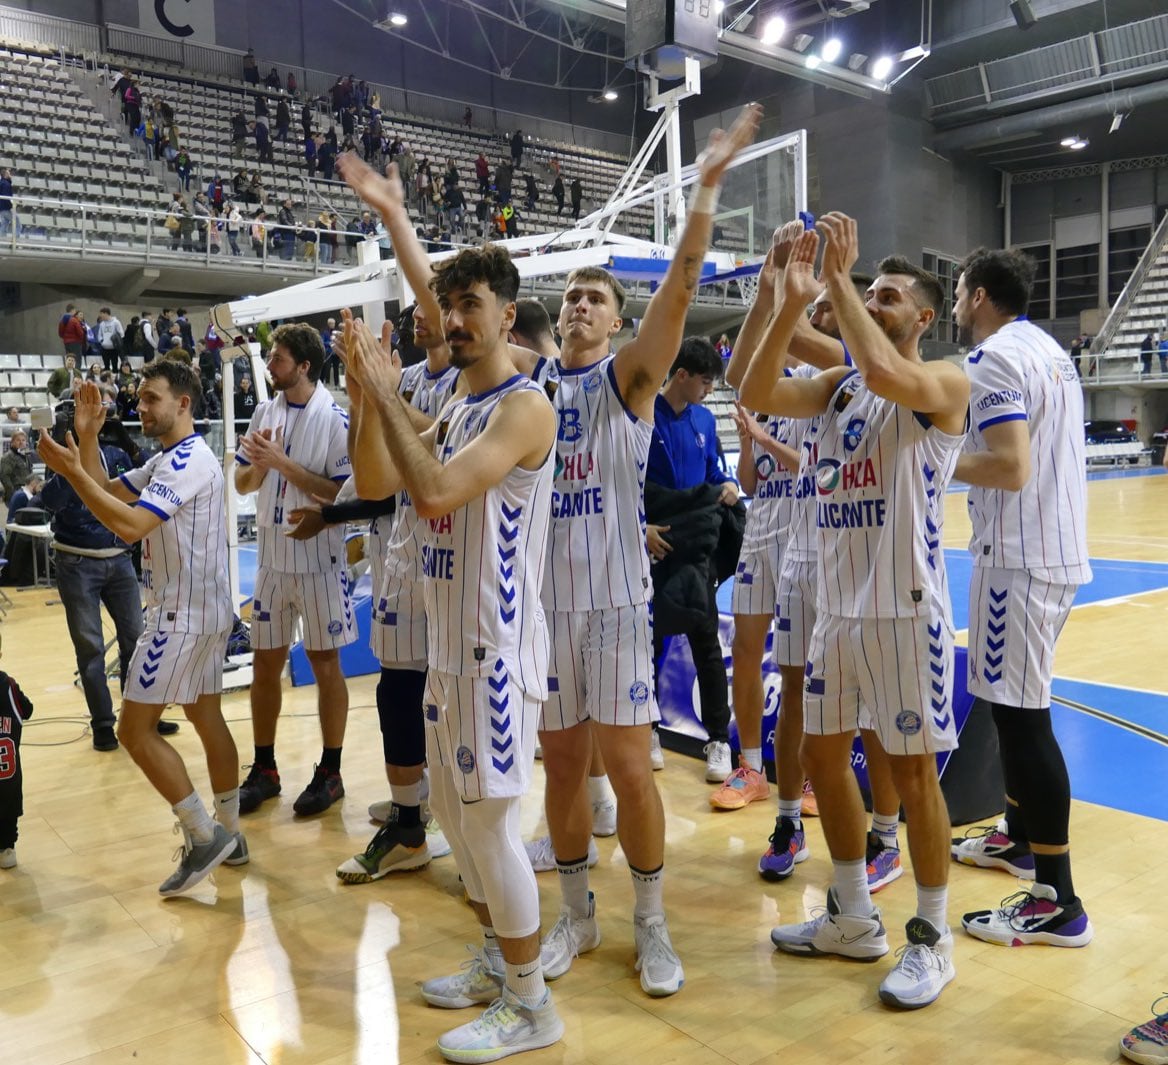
197	861
239	856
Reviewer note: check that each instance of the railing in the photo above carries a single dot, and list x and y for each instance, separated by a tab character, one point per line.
1120	308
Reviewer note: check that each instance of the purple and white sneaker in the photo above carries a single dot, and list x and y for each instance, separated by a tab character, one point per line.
788	848
990	848
1032	916
1147	1043
883	863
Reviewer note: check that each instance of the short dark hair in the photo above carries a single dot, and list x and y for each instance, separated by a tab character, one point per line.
532	319
303	344
180	376
698	357
926	287
490	265
1006	275
863	282
605	277
105	310
178	355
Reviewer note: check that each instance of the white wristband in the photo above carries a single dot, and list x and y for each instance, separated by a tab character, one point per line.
704	199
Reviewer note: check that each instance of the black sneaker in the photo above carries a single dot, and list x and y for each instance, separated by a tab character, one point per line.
260	784
167	728
105	738
323	790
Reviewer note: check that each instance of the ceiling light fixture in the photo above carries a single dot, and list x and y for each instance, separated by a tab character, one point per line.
801	41
719	6
882	67
1117	121
610	94
812	61
1066	142
832	49
398	19
1079	145
857	61
774	29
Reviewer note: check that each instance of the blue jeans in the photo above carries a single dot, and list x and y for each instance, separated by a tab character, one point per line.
83	585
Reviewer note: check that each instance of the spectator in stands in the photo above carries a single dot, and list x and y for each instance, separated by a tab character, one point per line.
16	465
132	105
245	404
1147	346
330	370
577	191
532	191
251	72
119	89
272	81
326	155
724	350
483	214
263	141
396	147
503	175
149	346
1162	351
349	121
238	134
163	322
127	401
290	84
170	340
233	220
517	149
406	165
311	239
467	118
110	336
558	194
328	225
185	331
256	193
201	210
239	186
283	120
215	191
6	203
285	239
126	372
311	147
27	495
182	169
13	423
259	232
173	220
71	330
510	221
261	105
306	119
483	173
455	207
173	143
422	186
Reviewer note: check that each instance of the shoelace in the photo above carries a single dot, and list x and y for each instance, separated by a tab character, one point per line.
544	851
1013	906
656	947
565	922
475	965
984	832
499	1014
916	959
784	834
186	846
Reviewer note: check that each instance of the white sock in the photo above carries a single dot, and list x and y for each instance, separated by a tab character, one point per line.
752	756
193	816
648	892
885	826
406	794
851	887
932	904
423	786
574	886
526	982
227	809
600	790
793	809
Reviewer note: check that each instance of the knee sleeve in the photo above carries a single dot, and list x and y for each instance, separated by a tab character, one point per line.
491	827
399	709
446	805
1036	774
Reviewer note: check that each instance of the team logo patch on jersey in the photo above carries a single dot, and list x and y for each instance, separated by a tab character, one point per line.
908	722
853	434
592	382
334	628
639	693
827	476
700	439
465	758
765	467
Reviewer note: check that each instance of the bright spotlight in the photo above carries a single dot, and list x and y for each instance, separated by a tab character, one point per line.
610	94
774	29
398	19
832	49
1066	142
812	61
882	68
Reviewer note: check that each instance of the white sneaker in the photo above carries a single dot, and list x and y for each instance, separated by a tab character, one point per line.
476	982
604	817
379	811
569	937
8	858
506	1027
656	758
924	965
832	932
542	855
436	840
718	766
657	961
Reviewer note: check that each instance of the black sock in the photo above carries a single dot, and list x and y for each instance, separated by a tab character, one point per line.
1054	870
330	759
1014	827
265	757
408	816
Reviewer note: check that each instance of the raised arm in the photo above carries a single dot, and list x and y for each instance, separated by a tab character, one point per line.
934	388
641	365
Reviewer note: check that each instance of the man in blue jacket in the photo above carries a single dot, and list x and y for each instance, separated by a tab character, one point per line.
95	567
684	453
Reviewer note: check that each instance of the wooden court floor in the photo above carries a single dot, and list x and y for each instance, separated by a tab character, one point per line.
278	962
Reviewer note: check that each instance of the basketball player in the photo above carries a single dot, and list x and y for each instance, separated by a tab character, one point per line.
882	640
481	483
1027	470
598	588
296	450
175	504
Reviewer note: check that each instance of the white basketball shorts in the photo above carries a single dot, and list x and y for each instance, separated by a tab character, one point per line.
794	613
320	600
756	581
397	634
175	667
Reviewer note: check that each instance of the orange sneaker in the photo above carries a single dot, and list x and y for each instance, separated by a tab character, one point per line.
810	806
742	787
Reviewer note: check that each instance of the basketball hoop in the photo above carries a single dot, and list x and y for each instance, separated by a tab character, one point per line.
748	289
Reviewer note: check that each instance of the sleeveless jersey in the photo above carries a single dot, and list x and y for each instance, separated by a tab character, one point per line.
880	482
546	374
1021	374
184	560
15	710
597	556
427	392
483	564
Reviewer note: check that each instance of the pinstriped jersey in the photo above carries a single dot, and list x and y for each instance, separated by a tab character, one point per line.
1021	374
483	564
546	374
315	437
597	556
428	392
184	560
777	492
880	482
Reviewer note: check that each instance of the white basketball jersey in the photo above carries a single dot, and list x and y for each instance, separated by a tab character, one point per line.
775	499
428	392
483	564
184	560
880	481
546	374
1021	374
801	536
315	437
597	556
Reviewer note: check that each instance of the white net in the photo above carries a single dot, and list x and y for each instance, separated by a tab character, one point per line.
748	287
